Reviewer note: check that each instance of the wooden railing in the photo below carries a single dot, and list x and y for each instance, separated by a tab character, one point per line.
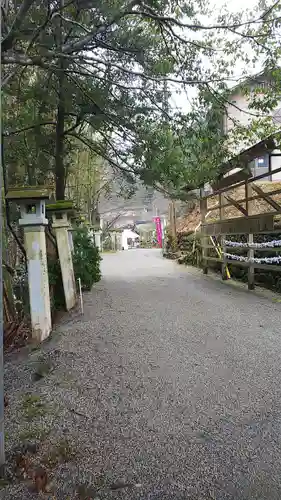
248	224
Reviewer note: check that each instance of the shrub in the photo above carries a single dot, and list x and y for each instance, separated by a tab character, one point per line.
55	285
145	244
171	244
20	292
86	259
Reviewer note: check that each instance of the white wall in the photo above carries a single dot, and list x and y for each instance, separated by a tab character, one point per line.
276	163
235	111
124	240
126	234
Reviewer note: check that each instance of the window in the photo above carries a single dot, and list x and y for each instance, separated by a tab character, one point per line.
31	209
264	85
262	162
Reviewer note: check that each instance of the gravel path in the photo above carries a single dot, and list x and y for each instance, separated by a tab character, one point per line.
169	387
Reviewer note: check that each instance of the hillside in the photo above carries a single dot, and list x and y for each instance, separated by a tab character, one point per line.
191	220
142	206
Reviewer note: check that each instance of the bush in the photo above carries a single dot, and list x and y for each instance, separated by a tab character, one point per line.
145	244
170	244
86	259
55	285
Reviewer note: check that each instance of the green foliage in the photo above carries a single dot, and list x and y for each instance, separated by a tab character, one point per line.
146	244
55	284
187	153
33	407
102	76
86	259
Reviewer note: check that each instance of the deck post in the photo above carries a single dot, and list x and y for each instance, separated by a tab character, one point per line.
203	211
250	238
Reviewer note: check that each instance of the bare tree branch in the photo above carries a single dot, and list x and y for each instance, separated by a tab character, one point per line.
6	78
269	10
100	152
197	27
7	43
81	44
25	129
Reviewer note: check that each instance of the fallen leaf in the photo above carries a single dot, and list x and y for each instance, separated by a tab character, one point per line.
40	479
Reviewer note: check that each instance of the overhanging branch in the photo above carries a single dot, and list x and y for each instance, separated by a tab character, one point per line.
25	129
100	152
7	43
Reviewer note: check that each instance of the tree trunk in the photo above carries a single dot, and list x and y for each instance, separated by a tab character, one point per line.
30	175
95	216
59	153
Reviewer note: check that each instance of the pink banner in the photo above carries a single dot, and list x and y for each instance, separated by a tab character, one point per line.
158	225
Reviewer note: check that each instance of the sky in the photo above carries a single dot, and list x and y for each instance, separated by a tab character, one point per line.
183	101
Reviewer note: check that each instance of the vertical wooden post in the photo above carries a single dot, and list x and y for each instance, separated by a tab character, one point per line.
174	224
270	167
224	262
251	269
172	218
221	203
203	212
170	215
222	216
247	187
250	238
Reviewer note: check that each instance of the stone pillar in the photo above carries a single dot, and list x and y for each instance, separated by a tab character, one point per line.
113	240
119	241
38	281
98	239
70	240
33	221
61	228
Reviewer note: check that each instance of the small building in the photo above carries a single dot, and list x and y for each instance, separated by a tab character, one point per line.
129	239
239	111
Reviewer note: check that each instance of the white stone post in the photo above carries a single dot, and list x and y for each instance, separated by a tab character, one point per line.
119	241
124	240
33	221
113	240
98	239
61	228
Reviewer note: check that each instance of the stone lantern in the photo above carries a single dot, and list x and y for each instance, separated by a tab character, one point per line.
97	233
118	239
33	220
60	211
